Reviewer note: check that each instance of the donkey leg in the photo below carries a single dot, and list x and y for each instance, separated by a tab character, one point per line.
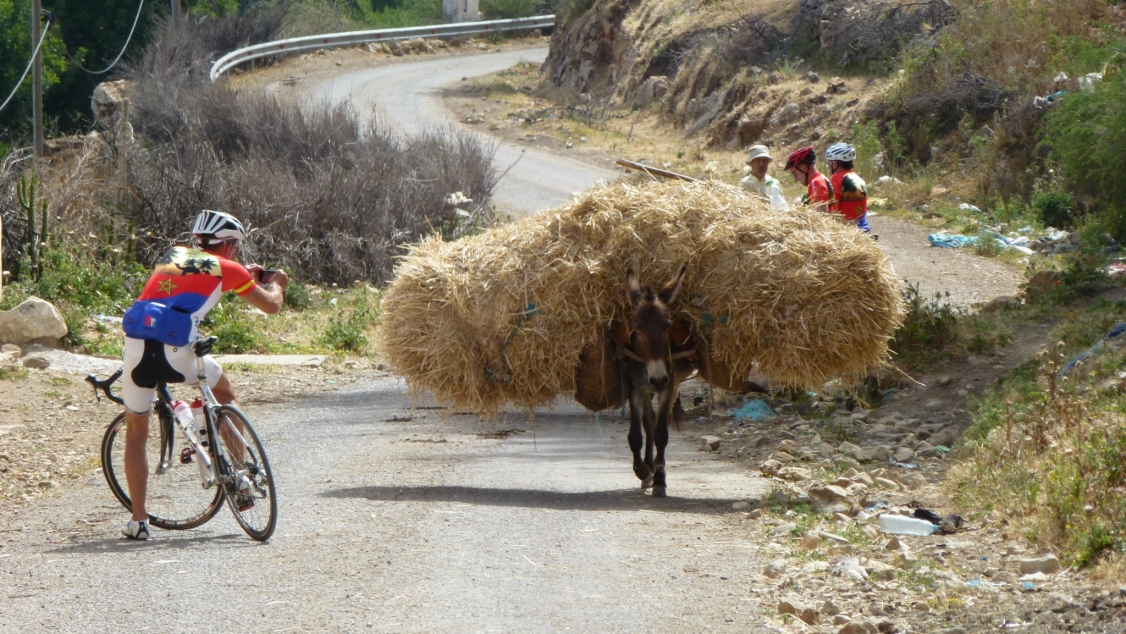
650	420
665	412
640	469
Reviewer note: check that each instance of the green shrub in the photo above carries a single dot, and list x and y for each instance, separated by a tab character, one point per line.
1054	208
238	329
929	326
508	9
348	333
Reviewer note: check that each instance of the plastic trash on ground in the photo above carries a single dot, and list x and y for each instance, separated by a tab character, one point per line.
900	525
969	207
949	241
755	410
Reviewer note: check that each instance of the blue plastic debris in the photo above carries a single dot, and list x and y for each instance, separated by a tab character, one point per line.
1116	332
905	465
950	241
974	583
756	410
1028	586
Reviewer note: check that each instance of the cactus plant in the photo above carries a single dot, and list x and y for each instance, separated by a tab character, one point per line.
27	196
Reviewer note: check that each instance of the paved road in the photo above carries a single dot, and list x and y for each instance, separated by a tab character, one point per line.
395	520
407	95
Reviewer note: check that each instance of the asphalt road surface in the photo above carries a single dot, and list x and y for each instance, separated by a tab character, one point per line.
401	520
408	97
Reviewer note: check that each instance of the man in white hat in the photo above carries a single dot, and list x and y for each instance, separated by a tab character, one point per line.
759	182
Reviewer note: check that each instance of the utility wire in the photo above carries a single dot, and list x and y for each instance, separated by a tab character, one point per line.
127	40
29	64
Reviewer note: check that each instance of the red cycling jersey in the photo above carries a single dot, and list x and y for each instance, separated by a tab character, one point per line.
852	195
820	190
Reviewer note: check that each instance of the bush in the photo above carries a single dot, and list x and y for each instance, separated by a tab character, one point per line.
326	197
929	326
508	9
1054	208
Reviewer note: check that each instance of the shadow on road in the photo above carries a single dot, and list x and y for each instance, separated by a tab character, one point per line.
619	500
163	540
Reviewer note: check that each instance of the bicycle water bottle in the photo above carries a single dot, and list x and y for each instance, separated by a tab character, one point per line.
182	412
199	421
900	525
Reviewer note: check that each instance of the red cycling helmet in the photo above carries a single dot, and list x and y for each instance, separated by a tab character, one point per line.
801	156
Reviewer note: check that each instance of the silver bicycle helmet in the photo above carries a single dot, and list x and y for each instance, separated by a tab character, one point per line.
221	225
840	152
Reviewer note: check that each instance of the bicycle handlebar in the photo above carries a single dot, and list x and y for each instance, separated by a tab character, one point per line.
104	386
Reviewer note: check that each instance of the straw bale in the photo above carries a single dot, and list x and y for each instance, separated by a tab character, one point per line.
504	316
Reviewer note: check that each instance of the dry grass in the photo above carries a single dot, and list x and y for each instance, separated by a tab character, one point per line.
503	316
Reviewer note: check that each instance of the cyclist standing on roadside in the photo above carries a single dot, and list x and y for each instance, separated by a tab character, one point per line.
851	191
819	192
163	323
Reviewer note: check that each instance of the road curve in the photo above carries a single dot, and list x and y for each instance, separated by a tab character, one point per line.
408	96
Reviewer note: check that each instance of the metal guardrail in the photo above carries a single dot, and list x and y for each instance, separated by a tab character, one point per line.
353	38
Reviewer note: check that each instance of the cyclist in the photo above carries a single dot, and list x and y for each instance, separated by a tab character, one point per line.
851	191
163	323
759	182
819	192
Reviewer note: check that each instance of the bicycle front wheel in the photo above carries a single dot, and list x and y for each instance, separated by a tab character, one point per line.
246	471
176	499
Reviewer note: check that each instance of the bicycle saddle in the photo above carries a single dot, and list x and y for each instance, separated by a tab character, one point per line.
202	347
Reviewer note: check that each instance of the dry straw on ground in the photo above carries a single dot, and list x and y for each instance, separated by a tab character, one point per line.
503	316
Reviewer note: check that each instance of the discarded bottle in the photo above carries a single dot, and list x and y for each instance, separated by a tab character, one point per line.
199	422
900	525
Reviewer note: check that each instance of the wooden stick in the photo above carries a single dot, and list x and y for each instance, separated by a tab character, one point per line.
653	171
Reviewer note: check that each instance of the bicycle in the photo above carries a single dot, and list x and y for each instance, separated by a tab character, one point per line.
182	495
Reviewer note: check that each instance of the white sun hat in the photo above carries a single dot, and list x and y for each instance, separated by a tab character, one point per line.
758	151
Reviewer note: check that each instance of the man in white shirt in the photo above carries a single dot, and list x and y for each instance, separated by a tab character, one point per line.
758	182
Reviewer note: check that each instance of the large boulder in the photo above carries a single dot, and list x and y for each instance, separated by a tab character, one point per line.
110	103
33	320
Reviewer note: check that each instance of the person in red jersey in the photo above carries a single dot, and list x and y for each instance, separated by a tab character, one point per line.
819	192
850	190
163	323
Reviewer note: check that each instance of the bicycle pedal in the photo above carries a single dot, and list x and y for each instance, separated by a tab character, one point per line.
186	455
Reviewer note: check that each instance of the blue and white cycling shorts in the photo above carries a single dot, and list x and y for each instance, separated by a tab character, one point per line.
148	362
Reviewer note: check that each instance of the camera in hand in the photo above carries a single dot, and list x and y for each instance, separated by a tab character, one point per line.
264	276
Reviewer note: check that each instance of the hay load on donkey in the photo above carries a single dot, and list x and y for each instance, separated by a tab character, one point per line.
505	316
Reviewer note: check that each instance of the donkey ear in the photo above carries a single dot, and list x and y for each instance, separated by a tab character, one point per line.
633	287
668	293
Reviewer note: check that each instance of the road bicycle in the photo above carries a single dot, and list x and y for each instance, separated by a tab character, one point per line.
186	490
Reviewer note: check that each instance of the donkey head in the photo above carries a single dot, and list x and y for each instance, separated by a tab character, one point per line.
650	326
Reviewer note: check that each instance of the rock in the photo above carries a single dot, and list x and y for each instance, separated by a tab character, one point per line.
925	450
881	571
750	130
911	480
810	616
652	89
775	568
770	467
36	363
1046	564
945	381
887	484
110	103
828	494
755	514
741	506
858	628
1041	283
455	42
788	446
841	517
904	454
783	529
862	478
795	474
879	453
789	114
841	619
811	542
1001	302
850	450
953	630
845	462
33	320
812	77
782	456
830	609
790	607
836	86
710	443
895	544
904	560
11	350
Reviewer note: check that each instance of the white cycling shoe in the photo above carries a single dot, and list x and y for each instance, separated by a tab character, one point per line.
136	530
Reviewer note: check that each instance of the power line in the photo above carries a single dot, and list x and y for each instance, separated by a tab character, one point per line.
127	40
31	62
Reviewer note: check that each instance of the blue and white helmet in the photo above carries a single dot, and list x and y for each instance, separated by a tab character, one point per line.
840	152
222	226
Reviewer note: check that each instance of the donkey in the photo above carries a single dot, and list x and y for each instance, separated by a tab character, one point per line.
657	355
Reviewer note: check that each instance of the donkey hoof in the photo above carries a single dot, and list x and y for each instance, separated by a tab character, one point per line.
647	483
659	492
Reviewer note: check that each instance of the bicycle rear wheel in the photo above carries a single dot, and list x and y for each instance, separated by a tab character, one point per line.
244	460
176	499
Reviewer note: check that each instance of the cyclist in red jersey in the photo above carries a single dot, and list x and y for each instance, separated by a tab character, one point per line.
163	323
819	192
851	191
